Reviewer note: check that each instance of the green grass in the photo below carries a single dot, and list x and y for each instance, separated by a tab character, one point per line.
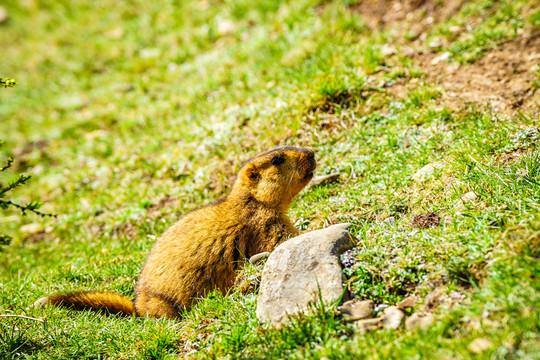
129	115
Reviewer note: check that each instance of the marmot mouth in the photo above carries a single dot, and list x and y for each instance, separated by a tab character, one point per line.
310	169
308	176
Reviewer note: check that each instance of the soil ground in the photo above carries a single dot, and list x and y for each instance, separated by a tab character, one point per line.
503	78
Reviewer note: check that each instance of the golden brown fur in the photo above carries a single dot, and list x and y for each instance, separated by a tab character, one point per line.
205	248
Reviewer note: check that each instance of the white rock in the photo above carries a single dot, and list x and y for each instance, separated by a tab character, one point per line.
3	14
354	310
389	221
443	57
478	346
419	320
407	51
470	196
324	179
226	27
368	324
435	44
407	303
303	271
32	228
426	171
388	50
392	317
255	258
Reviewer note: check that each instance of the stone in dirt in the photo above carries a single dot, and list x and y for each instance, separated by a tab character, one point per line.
303	271
257	257
368	324
426	171
419	320
324	179
32	228
478	346
389	221
407	303
356	309
226	27
3	15
433	299
470	196
392	317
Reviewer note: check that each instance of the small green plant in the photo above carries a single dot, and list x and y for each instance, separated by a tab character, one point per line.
6	203
7	82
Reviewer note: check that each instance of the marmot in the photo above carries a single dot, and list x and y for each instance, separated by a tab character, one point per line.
205	248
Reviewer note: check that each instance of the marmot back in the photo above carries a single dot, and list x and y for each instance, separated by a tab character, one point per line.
204	249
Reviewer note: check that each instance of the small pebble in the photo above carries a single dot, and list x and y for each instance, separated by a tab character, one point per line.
368	324
470	196
443	57
31	228
435	44
388	50
478	346
324	179
226	27
407	303
3	15
356	309
390	221
392	317
419	321
407	51
426	171
257	257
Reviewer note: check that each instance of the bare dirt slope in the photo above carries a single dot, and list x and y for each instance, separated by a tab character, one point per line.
503	78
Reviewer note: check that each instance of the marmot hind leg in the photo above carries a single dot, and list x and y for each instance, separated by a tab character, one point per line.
148	304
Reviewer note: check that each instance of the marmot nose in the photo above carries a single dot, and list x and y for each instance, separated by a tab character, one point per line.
310	153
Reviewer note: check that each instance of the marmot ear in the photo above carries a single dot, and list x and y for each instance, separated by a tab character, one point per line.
252	173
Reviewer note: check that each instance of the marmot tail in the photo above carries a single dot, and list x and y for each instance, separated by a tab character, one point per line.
91	300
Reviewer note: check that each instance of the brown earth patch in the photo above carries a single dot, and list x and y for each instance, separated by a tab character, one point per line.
332	103
503	78
414	15
126	229
424	221
513	156
166	202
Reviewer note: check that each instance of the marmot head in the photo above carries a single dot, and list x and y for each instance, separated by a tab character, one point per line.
274	177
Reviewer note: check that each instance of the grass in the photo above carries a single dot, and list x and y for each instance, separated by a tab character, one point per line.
129	115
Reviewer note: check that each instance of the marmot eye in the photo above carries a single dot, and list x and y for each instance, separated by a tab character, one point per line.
278	160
